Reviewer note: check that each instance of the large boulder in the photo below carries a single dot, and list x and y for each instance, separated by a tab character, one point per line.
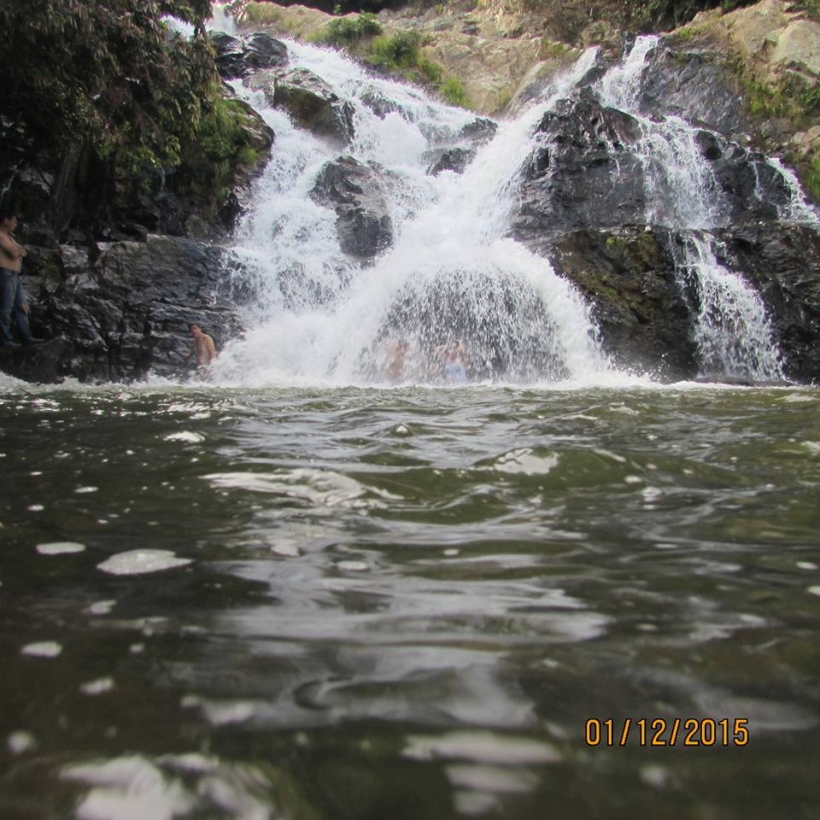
584	173
238	57
645	314
309	100
693	85
354	191
592	170
121	310
455	151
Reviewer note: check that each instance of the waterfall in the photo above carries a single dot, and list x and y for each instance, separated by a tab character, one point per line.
733	332
322	317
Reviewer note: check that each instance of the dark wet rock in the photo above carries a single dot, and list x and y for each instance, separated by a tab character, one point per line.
449	159
584	174
479	131
645	316
122	310
695	86
354	191
238	57
645	305
590	172
750	188
309	100
43	363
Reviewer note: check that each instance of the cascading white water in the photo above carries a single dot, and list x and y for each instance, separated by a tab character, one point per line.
450	273
733	331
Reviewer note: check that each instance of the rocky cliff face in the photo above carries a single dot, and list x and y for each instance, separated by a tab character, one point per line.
119	303
114	294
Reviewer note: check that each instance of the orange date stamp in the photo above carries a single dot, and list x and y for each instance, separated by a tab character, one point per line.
700	732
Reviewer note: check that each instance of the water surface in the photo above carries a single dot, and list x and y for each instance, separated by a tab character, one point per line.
406	603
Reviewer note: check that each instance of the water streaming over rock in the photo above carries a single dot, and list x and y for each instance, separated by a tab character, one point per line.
733	332
379	300
450	274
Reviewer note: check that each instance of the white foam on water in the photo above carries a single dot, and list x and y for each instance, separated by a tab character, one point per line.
21	742
42	649
353	566
224	713
186	436
60	548
481	747
525	462
323	488
128	788
97	687
101	607
171	786
140	562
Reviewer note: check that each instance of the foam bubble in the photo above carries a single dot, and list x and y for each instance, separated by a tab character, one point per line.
20	742
97	687
60	548
190	438
101	607
42	649
353	566
482	747
138	562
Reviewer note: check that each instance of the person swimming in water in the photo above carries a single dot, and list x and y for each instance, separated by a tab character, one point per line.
395	363
456	362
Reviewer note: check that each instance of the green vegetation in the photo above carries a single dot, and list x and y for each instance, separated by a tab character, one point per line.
223	141
344	31
400	53
453	92
110	76
671	13
794	100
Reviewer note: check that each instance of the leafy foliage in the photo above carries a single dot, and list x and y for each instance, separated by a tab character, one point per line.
453	92
111	75
222	143
344	31
397	51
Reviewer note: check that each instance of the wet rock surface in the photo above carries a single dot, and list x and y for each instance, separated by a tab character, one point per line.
240	56
124	312
310	102
354	191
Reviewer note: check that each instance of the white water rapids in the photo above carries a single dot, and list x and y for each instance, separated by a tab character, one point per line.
451	273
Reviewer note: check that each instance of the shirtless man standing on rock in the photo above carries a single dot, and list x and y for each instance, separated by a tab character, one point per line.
13	300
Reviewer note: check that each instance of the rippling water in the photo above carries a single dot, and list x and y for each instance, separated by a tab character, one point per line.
363	603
